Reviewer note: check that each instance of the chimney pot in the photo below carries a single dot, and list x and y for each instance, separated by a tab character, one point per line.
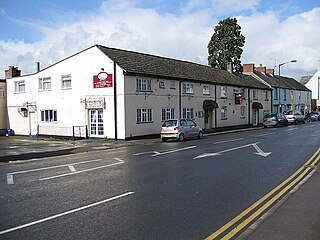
12	72
248	68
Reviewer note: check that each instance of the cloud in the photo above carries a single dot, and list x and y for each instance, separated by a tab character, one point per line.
125	25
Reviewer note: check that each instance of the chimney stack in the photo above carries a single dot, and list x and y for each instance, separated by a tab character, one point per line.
12	72
248	68
260	69
270	71
230	67
38	66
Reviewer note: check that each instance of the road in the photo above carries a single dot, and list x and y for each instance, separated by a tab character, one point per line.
172	190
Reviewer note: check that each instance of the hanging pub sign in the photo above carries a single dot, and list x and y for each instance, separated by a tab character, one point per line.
102	80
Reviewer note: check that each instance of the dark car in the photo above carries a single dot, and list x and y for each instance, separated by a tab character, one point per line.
275	120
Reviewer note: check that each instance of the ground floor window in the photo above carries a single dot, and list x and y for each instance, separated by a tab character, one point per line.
49	116
223	112
96	122
144	115
187	113
242	112
167	113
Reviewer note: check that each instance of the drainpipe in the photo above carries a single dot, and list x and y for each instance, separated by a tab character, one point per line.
215	111
180	104
249	107
115	100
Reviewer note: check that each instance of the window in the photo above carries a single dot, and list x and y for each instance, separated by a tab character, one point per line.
162	84
188	113
167	113
144	115
144	85
2	92
242	112
255	94
49	116
291	95
284	94
299	96
224	92
223	112
267	97
19	86
172	85
66	81
243	91
45	84
187	88
275	91
206	90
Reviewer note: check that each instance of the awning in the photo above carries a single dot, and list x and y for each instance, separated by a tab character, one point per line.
257	105
209	105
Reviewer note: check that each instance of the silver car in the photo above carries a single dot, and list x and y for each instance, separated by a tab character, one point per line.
180	129
294	117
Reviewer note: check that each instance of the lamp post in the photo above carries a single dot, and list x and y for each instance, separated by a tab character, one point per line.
292	61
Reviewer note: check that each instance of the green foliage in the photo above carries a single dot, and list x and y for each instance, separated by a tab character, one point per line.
226	45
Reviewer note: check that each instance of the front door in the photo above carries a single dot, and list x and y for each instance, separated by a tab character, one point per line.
255	117
32	124
208	119
96	123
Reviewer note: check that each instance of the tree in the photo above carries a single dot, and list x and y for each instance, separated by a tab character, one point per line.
226	45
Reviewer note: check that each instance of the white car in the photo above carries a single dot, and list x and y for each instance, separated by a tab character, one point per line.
294	117
180	129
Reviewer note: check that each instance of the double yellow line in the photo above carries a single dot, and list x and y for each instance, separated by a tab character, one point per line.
282	189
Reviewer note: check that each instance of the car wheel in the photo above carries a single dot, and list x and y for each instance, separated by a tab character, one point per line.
181	137
200	135
164	139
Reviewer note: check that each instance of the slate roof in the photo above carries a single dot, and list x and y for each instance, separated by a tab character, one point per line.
136	63
294	84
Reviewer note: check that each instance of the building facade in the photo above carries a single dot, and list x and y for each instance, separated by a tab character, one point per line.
3	108
106	92
314	85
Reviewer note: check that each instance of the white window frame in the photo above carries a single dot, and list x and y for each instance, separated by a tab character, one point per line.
44	84
162	84
224	90
224	115
172	84
188	113
66	82
167	114
284	94
2	93
49	115
242	112
255	94
206	90
187	88
144	115
20	86
143	85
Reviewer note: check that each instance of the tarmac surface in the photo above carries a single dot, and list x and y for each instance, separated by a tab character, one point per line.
297	216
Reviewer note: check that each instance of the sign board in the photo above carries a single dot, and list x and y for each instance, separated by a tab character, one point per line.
90	102
102	80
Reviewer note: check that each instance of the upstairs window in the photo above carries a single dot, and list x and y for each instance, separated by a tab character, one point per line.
19	86
224	92
172	85
2	92
187	88
255	94
143	85
66	81
206	90
45	84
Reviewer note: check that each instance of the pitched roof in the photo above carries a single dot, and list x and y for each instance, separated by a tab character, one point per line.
136	63
294	84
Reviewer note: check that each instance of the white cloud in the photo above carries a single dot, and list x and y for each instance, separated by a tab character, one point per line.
178	36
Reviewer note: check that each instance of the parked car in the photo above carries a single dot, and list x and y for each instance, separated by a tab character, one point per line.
294	117
313	116
275	120
180	129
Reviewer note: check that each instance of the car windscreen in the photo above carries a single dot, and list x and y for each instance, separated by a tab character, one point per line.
169	123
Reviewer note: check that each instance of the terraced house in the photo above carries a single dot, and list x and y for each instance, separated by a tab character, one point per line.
119	94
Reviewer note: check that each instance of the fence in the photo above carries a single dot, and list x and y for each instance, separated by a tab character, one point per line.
74	131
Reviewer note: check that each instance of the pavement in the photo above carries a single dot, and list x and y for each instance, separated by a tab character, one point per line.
296	216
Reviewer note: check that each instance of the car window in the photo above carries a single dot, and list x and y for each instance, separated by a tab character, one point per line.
183	123
170	123
191	123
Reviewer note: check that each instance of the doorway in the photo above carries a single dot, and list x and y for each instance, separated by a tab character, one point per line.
33	127
96	122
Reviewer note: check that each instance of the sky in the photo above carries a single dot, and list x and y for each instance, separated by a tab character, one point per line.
48	31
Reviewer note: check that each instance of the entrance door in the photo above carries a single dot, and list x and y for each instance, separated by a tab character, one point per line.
208	119
96	122
255	117
32	123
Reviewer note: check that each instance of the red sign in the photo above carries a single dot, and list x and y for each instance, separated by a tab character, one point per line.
102	80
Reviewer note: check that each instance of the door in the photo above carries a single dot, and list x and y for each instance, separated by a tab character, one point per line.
96	123
255	117
33	124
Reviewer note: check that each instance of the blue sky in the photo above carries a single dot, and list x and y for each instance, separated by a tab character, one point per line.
48	31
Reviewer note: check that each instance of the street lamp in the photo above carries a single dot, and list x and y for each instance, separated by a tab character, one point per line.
292	61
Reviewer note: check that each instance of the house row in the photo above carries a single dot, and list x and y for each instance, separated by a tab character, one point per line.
107	92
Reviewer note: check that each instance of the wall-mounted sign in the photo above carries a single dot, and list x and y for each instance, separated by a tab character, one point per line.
102	80
93	102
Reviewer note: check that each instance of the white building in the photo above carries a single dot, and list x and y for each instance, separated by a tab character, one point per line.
314	85
3	108
119	94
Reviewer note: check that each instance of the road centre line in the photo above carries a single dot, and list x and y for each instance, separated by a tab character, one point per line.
262	135
86	170
172	151
298	175
56	166
65	213
232	140
10	179
290	129
72	169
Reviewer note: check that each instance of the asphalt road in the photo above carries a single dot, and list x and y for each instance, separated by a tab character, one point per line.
172	190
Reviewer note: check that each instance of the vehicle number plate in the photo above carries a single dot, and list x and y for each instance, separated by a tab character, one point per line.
167	135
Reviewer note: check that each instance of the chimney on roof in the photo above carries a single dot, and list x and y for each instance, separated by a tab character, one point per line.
260	69
248	68
270	71
12	72
319	65
38	66
229	67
